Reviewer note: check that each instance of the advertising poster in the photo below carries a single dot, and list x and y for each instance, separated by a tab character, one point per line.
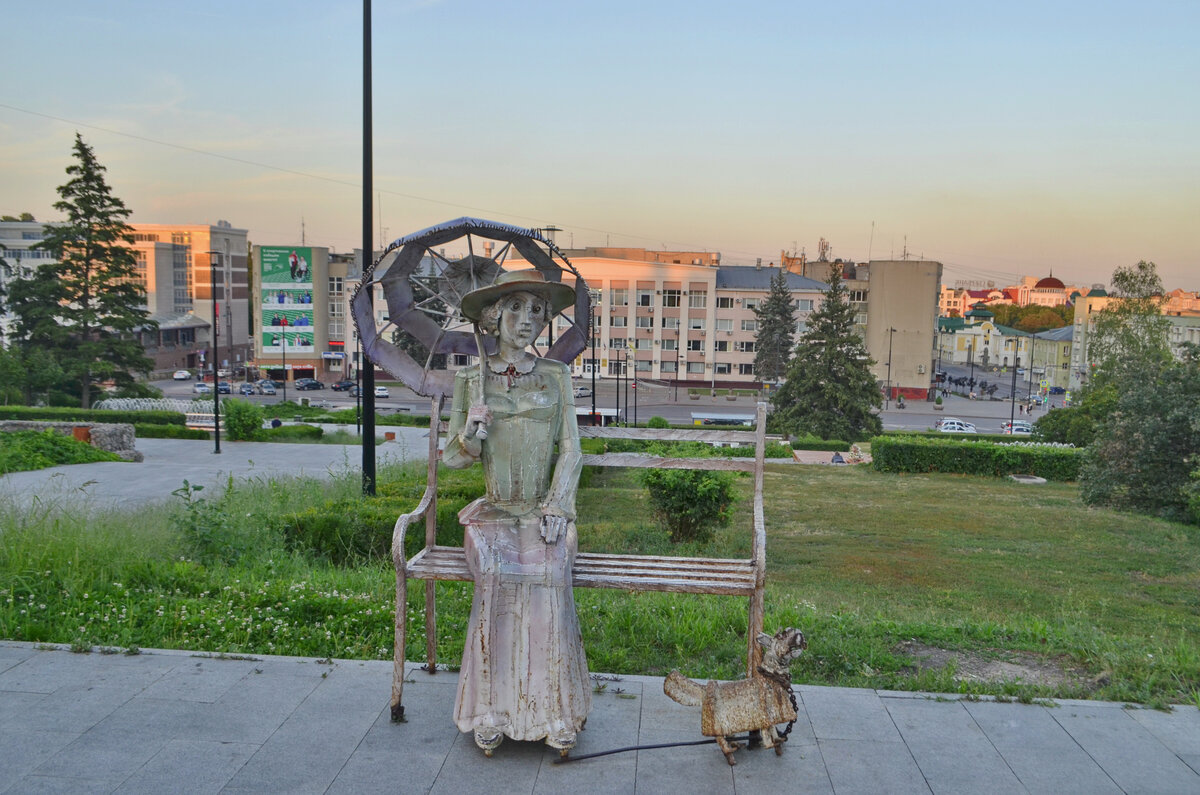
286	299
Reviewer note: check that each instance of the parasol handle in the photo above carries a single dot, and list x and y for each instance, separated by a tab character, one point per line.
481	429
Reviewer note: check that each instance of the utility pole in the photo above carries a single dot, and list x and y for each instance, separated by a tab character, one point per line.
888	398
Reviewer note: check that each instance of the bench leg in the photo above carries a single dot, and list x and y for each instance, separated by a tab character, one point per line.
430	627
398	648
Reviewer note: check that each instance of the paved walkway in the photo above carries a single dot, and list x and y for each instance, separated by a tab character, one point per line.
168	721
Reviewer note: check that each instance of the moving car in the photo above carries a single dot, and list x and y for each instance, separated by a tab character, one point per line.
201	388
308	383
583	391
341	386
381	392
266	388
354	391
224	387
956	426
246	389
182	375
1058	390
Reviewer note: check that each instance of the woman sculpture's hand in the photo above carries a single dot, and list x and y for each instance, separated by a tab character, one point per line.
554	527
479	417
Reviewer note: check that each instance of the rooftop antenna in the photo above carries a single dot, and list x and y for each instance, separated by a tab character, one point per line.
302	230
871	243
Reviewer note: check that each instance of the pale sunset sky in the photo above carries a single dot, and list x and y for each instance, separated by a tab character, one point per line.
1001	139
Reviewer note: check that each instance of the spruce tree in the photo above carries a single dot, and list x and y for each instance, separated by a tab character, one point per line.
830	391
86	308
776	330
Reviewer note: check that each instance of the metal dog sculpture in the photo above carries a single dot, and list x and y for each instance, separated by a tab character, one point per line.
755	704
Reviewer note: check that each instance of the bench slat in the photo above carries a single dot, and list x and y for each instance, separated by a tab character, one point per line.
747	437
623	572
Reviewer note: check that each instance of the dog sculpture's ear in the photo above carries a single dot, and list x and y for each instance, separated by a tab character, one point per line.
764	639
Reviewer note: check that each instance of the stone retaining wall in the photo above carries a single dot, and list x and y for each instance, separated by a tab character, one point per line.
115	437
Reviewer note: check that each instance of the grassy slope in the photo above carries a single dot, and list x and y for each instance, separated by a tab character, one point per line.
860	560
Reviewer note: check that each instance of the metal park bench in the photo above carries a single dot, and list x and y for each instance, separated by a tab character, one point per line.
633	573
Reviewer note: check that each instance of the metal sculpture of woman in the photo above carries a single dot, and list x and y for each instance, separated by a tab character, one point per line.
524	674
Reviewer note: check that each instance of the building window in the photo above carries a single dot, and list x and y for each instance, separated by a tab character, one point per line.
643	344
645	321
745	369
670	322
461	360
801	327
337	309
744	346
336	330
750	303
616	367
645	297
724	302
696	323
695	367
670	345
721	346
722	368
620	296
643	365
618	321
749	325
617	343
695	345
857	296
723	324
804	304
670	366
697	300
670	298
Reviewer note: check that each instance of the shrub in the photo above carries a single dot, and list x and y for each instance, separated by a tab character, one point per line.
145	430
25	451
243	421
658	422
918	454
76	414
293	433
690	502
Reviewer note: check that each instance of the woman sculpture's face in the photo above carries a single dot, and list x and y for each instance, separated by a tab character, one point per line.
522	317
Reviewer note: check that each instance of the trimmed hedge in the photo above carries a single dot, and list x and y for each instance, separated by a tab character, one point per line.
145	430
914	453
814	443
64	414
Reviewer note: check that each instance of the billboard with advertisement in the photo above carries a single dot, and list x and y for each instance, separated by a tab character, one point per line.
286	299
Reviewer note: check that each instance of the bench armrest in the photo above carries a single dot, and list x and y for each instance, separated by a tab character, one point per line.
402	523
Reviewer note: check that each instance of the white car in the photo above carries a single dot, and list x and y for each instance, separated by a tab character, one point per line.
1018	427
381	392
201	388
182	375
956	426
583	391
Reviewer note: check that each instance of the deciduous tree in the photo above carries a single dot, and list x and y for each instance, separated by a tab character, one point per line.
830	391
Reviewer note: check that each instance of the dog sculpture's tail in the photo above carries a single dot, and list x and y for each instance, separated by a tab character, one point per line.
683	690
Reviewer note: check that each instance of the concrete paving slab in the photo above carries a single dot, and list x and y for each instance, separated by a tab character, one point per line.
188	765
1041	753
13	655
279	724
952	752
868	767
50	670
1132	756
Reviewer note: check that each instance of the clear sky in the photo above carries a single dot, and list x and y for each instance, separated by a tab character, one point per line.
1002	139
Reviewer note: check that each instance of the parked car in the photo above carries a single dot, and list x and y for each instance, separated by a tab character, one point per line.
956	426
1058	390
201	388
381	392
182	375
246	389
266	388
583	391
224	387
937	425
341	386
308	383
1016	426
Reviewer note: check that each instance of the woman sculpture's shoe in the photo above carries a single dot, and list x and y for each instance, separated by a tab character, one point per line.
488	739
562	741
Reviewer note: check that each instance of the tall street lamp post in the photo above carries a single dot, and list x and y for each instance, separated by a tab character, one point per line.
971	360
212	274
1012	414
888	398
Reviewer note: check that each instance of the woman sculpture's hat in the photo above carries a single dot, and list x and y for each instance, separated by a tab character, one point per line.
558	295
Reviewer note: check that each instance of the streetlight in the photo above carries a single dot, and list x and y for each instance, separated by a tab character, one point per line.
971	360
1012	414
212	286
1032	351
888	399
595	362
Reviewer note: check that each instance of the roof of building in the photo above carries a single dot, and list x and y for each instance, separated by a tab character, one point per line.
179	320
1049	283
951	324
1098	292
1056	334
747	277
979	311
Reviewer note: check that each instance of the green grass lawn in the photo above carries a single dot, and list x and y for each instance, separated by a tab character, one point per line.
863	562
